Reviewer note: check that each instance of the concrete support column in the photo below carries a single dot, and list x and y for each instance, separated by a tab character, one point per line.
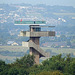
36	55
32	50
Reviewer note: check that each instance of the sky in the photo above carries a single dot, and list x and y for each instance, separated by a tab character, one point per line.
47	2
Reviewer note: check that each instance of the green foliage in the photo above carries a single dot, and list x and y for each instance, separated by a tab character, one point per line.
13	71
45	73
57	73
56	65
72	68
23	71
26	61
3	68
50	73
2	63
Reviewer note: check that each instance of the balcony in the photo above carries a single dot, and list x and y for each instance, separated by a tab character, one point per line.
37	34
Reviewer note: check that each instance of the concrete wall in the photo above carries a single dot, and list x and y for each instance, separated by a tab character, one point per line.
37	34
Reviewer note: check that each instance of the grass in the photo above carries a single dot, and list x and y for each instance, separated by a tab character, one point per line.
24	49
13	48
60	50
17	49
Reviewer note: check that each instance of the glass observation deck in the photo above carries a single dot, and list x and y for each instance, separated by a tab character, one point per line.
30	22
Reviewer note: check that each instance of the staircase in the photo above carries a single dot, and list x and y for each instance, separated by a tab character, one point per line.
37	48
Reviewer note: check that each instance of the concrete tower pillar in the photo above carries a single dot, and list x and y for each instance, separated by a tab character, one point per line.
32	50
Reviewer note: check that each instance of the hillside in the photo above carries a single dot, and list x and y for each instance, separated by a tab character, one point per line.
62	17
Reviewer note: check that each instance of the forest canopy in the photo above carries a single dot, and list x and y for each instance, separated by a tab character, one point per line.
56	65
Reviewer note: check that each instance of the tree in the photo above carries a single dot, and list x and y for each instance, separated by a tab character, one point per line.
56	65
13	71
50	73
2	63
4	68
26	61
57	73
72	68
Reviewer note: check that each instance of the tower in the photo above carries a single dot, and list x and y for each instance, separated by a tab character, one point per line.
35	33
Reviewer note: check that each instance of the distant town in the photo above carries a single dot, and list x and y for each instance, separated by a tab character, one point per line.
58	16
62	17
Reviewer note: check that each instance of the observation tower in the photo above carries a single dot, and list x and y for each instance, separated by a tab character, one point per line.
35	33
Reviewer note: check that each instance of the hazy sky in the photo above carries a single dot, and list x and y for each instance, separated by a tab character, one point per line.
47	2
